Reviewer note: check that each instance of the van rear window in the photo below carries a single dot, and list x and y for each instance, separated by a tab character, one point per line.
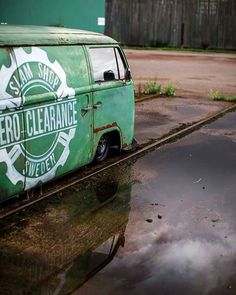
106	60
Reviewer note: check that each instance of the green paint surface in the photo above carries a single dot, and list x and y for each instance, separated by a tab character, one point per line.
81	14
43	35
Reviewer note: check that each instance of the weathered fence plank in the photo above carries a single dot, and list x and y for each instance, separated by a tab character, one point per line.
175	23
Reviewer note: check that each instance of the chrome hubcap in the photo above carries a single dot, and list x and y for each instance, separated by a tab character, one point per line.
102	145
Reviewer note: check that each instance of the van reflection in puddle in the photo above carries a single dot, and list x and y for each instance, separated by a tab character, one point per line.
58	244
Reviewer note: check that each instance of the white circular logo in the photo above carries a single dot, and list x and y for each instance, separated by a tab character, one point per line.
34	140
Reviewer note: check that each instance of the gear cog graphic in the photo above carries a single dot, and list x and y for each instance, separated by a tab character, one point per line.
10	154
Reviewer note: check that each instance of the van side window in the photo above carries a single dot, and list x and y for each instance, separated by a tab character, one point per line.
105	62
120	65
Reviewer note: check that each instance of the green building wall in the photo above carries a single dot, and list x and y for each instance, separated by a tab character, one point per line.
81	14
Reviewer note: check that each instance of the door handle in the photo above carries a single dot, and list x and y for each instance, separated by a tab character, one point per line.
87	108
97	105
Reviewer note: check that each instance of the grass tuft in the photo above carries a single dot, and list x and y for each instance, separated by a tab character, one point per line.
152	87
169	90
219	95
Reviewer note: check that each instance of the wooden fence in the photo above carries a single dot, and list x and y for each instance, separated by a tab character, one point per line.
175	23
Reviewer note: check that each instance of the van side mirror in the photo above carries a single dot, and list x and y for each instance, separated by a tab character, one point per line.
128	75
108	75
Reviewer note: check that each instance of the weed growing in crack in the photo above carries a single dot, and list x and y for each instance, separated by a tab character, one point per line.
219	95
152	87
169	90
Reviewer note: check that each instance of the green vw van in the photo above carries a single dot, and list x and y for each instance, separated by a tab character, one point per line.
66	96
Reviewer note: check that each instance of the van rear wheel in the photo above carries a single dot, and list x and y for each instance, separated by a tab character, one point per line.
102	148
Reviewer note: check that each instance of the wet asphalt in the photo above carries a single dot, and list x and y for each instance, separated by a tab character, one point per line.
163	223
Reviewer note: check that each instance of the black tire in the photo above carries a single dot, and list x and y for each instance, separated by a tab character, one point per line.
102	148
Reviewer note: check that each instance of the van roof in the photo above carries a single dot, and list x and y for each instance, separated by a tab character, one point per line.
41	35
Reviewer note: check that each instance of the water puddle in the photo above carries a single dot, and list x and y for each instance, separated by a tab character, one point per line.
163	223
59	243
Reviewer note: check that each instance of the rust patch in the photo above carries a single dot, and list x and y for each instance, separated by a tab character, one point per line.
125	145
96	130
9	49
